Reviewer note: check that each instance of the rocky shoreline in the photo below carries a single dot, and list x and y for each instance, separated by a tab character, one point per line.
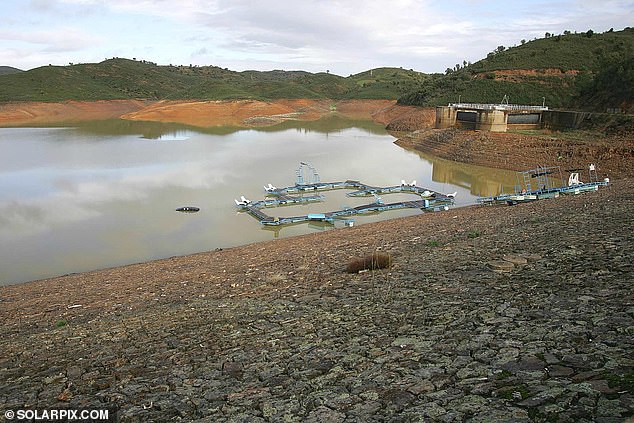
612	153
488	314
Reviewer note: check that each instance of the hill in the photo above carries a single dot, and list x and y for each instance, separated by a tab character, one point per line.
560	70
6	70
583	71
130	79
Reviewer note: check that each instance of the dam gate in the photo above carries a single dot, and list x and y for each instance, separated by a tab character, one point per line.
489	117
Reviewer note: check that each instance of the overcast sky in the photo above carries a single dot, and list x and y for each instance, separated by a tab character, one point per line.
344	37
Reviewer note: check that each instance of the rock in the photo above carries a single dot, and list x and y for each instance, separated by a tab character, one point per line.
510	415
422	387
501	266
65	395
515	259
531	258
232	369
550	358
324	414
559	371
55	379
73	372
527	363
364	411
609	408
601	385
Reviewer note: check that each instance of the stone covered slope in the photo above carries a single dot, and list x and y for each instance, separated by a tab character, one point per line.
613	154
278	332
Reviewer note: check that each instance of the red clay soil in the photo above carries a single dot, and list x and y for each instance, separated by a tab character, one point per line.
362	109
520	75
195	113
210	113
253	112
34	113
405	118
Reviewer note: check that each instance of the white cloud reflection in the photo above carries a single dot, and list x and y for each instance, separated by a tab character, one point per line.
71	201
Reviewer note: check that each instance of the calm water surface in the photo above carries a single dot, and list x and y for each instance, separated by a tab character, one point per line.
104	194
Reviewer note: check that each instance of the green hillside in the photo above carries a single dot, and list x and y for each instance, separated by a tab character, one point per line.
559	69
111	79
611	87
125	79
586	71
383	82
6	70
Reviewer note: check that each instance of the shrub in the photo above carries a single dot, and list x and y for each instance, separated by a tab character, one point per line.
376	260
473	234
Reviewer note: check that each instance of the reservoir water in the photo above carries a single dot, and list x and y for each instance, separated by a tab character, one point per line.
104	194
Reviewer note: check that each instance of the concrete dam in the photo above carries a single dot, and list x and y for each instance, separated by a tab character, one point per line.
489	117
501	117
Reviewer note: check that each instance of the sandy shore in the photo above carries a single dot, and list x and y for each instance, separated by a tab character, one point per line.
521	314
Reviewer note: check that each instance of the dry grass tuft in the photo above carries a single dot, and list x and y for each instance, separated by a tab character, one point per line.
376	260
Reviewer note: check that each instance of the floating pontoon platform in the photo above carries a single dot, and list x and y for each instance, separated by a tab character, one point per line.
546	186
430	200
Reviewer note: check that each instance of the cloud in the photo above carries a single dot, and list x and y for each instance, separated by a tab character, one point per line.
64	39
312	31
329	33
343	36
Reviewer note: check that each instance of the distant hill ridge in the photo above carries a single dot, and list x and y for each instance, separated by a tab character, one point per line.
128	79
7	70
584	70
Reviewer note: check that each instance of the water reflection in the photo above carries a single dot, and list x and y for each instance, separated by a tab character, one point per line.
326	125
157	130
480	181
104	193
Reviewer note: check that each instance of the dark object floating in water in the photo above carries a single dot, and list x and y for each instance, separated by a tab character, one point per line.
188	209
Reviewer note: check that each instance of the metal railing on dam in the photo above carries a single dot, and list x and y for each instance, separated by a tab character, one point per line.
508	107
